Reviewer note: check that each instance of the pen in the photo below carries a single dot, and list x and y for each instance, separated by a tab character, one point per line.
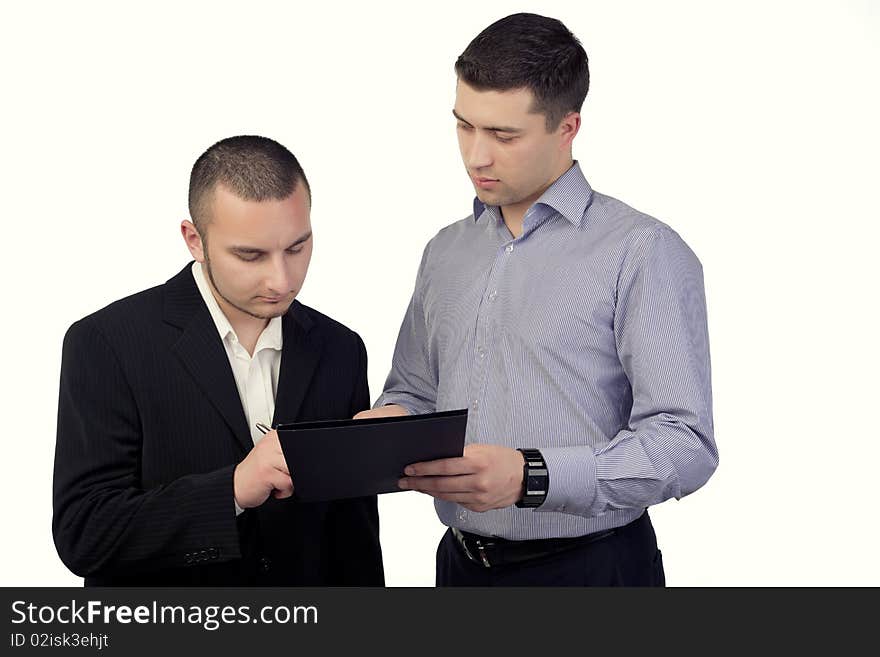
262	427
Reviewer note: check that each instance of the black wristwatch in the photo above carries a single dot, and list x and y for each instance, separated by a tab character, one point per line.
536	479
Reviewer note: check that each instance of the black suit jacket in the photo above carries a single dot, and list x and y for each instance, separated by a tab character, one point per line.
150	428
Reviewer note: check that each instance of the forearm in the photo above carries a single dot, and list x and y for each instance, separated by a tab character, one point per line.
103	529
413	380
662	458
104	518
411	383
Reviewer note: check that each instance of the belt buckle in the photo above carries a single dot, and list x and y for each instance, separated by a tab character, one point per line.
481	548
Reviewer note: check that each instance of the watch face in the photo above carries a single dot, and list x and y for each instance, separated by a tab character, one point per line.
535	485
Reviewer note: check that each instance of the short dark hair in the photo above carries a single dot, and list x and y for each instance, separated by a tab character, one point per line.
533	52
251	167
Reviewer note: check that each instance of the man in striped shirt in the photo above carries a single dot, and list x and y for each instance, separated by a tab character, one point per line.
572	327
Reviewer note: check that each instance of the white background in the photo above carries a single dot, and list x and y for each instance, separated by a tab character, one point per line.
749	127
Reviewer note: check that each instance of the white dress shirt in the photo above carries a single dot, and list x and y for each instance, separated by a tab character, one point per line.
256	377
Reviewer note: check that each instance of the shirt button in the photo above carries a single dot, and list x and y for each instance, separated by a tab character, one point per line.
492	295
509	248
462	515
481	352
475	404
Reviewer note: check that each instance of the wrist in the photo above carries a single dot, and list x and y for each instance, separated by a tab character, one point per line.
237	493
536	479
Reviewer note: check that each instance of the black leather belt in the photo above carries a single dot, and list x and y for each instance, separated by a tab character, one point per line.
492	551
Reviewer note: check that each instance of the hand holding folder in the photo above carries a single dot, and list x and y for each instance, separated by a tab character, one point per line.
352	458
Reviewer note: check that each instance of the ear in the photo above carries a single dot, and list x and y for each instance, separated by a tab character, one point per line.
193	240
568	129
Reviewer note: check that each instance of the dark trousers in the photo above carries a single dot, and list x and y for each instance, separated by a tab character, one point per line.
628	557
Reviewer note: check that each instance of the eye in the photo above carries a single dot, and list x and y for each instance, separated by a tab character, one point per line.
465	126
249	257
294	251
503	140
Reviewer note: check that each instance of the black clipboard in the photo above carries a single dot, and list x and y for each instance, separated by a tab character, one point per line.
337	459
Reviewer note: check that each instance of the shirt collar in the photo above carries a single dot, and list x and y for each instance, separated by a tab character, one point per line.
270	337
569	195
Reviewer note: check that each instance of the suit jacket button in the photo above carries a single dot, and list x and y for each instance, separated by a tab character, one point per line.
265	564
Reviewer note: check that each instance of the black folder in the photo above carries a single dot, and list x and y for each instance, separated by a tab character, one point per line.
336	459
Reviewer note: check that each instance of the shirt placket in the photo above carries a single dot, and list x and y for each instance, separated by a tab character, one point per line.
256	402
484	337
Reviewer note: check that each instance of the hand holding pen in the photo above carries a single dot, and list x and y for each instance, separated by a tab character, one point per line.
262	473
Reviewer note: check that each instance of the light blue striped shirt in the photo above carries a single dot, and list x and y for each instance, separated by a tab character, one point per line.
585	338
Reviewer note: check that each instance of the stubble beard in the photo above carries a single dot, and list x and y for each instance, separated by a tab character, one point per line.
229	301
499	198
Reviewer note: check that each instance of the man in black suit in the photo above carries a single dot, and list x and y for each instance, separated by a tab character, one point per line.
161	476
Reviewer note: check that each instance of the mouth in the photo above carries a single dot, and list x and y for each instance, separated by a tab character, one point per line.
272	299
483	182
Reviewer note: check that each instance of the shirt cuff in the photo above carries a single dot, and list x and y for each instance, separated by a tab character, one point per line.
238	509
573	481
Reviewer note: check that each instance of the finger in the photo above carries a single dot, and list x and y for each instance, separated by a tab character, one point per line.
281	494
390	410
279	464
440	484
459	465
273	442
282	484
278	454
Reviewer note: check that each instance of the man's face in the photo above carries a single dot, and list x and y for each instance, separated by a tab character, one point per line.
257	252
507	151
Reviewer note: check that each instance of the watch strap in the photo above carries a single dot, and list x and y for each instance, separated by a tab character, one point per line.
536	478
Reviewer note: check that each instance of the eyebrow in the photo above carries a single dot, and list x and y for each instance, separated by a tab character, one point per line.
491	129
250	249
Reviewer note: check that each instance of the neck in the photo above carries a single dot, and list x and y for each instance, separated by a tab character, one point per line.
247	327
513	214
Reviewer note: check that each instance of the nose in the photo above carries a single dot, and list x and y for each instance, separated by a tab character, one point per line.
478	154
278	278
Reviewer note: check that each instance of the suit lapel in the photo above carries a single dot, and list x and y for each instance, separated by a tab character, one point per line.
201	351
300	354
